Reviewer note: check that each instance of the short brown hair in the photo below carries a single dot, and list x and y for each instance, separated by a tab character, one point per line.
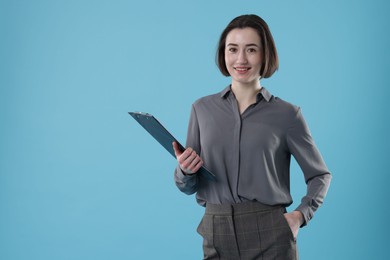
268	49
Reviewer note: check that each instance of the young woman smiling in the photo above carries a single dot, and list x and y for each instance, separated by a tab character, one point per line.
246	137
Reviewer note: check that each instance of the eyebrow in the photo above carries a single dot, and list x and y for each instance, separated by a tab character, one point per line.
247	45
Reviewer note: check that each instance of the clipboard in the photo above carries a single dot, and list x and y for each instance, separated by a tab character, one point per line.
162	135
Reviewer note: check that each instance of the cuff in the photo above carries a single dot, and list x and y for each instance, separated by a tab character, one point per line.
307	213
182	176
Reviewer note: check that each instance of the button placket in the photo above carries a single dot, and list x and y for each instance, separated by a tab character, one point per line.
236	145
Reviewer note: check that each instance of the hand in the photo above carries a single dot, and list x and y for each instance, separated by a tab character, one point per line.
294	220
188	160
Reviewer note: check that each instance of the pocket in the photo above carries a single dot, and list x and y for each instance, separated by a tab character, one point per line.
200	229
287	226
205	229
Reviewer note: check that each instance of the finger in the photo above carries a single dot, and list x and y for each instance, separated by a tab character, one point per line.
185	155
189	159
197	166
194	163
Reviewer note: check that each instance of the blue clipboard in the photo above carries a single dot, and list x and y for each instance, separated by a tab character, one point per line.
162	135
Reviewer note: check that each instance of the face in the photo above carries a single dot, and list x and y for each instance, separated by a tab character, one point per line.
243	55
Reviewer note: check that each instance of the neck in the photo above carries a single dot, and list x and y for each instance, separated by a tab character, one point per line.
246	92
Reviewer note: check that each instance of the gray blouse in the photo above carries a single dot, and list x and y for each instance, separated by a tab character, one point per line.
250	153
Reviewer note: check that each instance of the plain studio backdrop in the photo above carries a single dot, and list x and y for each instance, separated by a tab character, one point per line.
80	179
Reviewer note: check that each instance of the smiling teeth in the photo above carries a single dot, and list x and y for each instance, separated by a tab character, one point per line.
242	69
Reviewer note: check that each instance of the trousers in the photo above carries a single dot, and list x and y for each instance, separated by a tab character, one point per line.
247	231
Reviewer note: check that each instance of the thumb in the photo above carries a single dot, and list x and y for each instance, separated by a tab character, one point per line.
176	149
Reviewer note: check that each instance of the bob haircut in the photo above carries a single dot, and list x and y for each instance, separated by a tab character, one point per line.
267	45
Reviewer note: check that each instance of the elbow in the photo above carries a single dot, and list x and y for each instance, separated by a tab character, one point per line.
190	191
325	178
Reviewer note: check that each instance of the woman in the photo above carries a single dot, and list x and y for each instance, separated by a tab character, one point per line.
246	137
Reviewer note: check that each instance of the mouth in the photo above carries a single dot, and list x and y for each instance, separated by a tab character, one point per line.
242	69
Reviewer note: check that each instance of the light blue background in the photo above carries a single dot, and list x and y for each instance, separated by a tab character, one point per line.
80	179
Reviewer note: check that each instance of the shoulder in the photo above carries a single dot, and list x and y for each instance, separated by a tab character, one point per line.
278	105
206	101
284	106
285	112
278	108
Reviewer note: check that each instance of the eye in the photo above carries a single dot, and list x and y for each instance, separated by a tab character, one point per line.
232	50
251	50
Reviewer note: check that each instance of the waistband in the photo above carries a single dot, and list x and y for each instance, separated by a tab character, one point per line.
239	208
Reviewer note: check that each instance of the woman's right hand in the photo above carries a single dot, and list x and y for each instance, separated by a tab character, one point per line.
189	161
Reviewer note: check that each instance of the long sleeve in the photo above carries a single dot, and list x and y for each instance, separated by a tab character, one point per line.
317	175
189	183
251	154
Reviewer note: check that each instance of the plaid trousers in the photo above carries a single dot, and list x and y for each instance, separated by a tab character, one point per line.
248	230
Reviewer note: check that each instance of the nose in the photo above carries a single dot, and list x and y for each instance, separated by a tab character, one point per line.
242	59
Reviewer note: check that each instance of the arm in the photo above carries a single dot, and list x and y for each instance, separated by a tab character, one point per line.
189	161
317	175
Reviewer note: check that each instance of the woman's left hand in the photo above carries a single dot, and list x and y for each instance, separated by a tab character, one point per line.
294	220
